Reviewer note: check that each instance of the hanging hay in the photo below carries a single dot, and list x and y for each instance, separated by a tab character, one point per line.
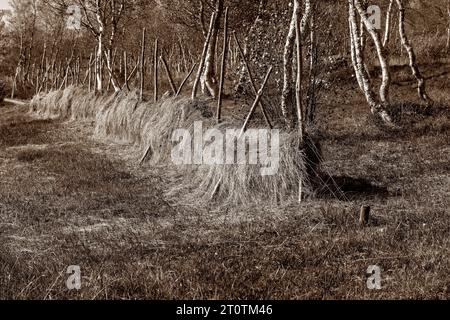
151	126
237	184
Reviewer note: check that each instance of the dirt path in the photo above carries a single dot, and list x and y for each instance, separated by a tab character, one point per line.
64	202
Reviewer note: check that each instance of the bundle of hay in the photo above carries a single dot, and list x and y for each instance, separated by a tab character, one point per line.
154	126
249	182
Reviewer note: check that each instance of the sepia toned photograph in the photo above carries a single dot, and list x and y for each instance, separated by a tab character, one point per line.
224	150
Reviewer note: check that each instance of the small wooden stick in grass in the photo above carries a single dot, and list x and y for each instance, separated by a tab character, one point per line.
252	81
222	68
255	104
146	154
216	189
186	79
169	75
364	216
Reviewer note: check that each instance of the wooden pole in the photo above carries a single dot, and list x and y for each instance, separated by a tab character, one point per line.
155	72
90	72
141	93
202	61
186	79
255	103
252	81
125	69
222	68
169	75
95	72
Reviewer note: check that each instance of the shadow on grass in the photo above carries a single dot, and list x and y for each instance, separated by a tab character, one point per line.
348	188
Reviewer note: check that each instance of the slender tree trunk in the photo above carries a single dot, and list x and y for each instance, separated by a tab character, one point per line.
98	63
298	85
209	80
203	57
90	72
313	57
387	30
358	64
18	67
448	26
155	72
411	54
141	66
288	91
381	52
287	94
223	67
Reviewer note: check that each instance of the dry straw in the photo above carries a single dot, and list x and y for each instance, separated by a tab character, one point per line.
149	125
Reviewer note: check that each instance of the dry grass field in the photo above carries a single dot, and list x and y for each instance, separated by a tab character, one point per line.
67	198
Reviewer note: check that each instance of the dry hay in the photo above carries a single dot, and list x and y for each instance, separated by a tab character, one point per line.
150	126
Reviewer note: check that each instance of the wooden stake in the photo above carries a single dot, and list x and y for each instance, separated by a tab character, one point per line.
141	93
222	68
252	81
255	104
186	79
155	72
169	75
90	72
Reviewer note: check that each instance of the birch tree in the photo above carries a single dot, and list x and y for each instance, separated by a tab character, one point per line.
448	25
421	86
209	81
382	53
287	95
102	18
376	107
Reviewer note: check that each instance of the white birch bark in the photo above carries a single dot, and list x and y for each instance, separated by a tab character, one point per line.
209	81
99	57
360	71
421	87
288	90
381	52
387	31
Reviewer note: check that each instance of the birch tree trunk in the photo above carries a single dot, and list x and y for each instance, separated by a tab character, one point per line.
358	63
381	52
100	35
411	54
298	83
287	96
98	64
18	67
448	26
387	31
209	81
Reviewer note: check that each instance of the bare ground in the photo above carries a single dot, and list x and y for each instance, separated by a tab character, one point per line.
66	199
